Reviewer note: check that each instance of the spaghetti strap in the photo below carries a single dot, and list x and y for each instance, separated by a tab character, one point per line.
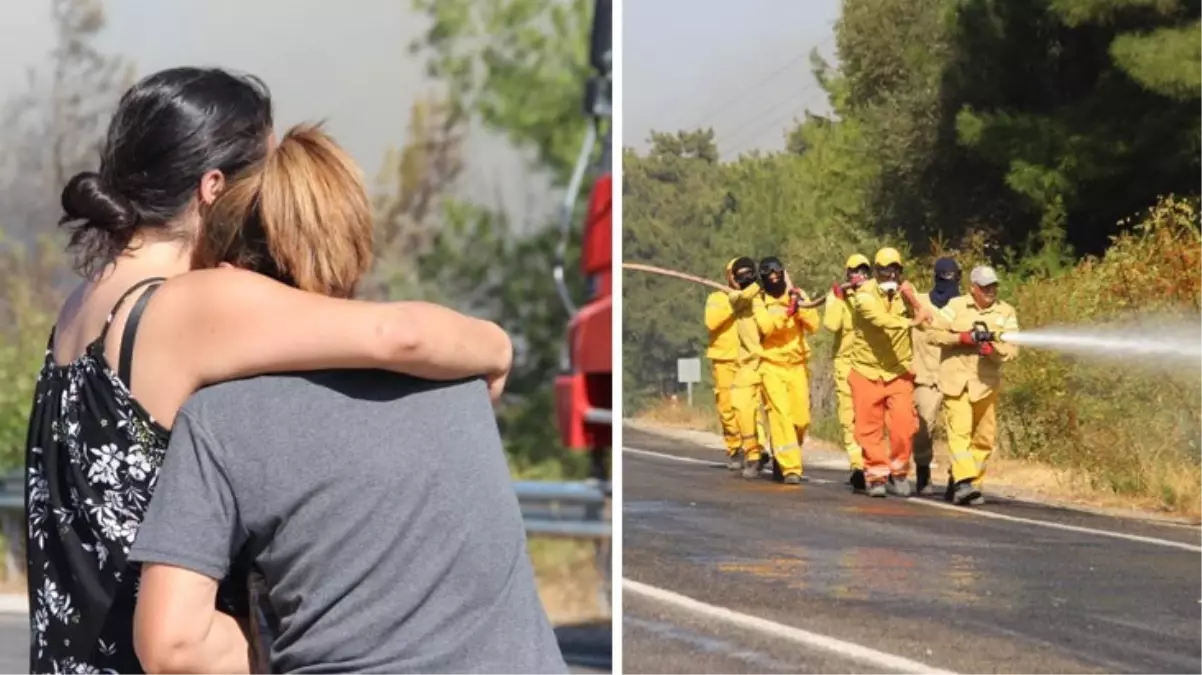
120	301
130	334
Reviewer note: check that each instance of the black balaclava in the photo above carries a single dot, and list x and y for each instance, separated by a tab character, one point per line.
768	266
947	282
743	271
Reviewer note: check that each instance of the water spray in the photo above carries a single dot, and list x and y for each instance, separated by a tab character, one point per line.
1176	342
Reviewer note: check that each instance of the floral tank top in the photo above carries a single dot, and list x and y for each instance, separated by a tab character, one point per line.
92	459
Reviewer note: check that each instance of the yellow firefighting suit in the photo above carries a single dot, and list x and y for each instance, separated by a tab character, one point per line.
970	382
837	318
745	389
723	354
784	371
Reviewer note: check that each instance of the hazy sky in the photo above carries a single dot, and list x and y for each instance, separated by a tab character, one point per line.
740	66
344	62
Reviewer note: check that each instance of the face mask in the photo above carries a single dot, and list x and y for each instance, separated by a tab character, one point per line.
744	278
774	288
888	286
768	268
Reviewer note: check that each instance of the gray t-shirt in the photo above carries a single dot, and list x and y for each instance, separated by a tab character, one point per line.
379	510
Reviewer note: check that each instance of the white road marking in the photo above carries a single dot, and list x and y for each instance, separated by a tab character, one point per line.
675	458
842	648
960	509
706	462
1059	526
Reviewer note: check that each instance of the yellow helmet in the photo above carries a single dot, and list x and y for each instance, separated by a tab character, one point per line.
856	260
730	265
887	256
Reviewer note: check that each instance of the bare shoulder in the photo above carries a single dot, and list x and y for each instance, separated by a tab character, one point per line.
225	279
201	292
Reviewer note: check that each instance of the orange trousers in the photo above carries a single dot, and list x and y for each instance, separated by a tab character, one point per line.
879	405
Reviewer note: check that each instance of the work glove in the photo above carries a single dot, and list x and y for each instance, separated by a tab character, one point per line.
837	290
987	349
738	301
967	339
794	300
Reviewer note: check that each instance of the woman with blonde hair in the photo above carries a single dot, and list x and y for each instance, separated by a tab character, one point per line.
99	426
377	507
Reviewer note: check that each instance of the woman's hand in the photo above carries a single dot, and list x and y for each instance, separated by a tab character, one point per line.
498	378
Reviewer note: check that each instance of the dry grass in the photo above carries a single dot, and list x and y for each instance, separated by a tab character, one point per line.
1039	481
676	414
568	579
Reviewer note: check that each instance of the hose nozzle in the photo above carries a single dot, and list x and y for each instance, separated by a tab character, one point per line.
981	333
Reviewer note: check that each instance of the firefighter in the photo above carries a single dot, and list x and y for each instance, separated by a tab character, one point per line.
836	318
927	355
723	353
745	387
784	368
882	385
970	377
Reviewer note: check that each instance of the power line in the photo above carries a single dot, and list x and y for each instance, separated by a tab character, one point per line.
741	136
739	96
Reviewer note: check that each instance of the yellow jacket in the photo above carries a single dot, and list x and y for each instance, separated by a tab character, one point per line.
882	350
783	337
720	322
836	317
927	352
750	352
962	366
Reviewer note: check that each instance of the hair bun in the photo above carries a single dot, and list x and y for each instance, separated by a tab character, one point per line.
86	197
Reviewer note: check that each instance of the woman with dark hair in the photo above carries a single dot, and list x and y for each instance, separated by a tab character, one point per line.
99	428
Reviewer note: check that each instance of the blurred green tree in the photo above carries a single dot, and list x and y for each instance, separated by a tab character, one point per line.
516	68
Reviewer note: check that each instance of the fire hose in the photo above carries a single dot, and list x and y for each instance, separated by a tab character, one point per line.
652	269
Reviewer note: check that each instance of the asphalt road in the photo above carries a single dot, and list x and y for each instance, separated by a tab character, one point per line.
587	648
742	576
14	643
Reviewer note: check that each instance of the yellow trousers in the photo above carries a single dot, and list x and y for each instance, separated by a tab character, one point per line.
971	434
745	401
787	401
847	414
724	382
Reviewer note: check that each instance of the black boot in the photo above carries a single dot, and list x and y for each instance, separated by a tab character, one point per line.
965	493
922	480
857	481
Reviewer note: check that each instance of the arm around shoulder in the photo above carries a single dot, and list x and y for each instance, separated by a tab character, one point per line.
226	323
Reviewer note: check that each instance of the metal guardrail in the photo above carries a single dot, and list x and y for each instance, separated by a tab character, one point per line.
575	510
12	522
572	510
599	416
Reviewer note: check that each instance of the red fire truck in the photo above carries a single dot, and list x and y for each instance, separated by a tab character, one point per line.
584	388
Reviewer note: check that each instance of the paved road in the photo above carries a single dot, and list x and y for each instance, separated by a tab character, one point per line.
14	643
783	570
587	648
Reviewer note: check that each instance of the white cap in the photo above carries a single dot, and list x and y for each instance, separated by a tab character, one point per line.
983	275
